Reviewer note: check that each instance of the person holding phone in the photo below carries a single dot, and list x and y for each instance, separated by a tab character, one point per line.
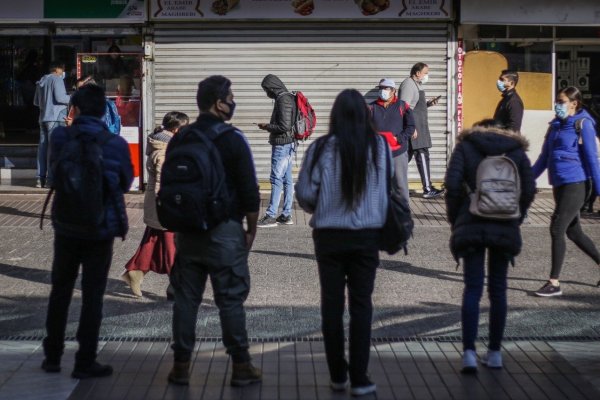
411	92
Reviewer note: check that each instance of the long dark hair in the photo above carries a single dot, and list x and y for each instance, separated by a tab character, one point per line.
350	124
573	94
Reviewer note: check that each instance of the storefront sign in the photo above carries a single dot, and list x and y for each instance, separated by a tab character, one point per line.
460	61
300	9
531	12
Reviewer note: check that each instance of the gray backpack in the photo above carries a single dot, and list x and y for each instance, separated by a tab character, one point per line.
498	189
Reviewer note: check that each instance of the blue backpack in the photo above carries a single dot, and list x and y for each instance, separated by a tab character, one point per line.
112	117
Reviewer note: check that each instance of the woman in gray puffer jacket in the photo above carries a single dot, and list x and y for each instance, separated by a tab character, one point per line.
157	249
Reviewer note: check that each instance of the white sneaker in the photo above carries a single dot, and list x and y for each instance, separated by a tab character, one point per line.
469	364
338	387
493	359
362	390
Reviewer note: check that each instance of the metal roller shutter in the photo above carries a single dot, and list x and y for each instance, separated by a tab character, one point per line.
318	59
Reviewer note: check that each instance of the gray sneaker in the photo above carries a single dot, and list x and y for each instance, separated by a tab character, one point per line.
267	222
433	193
549	290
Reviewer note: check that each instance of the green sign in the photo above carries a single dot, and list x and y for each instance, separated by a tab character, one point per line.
94	9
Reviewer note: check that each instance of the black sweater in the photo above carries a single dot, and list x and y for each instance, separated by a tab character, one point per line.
509	112
238	164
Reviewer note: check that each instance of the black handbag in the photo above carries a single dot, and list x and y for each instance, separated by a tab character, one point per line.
398	226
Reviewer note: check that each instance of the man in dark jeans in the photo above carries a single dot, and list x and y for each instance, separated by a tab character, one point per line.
222	252
283	145
91	248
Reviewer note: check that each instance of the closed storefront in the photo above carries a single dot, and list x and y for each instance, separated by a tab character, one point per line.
318	57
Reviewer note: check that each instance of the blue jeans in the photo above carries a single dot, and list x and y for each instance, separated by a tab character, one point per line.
44	172
474	272
281	179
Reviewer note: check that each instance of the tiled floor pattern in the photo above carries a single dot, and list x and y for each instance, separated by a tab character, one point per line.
297	370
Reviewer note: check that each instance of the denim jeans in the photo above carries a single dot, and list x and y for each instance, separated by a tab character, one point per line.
281	179
44	173
474	272
220	253
95	258
347	258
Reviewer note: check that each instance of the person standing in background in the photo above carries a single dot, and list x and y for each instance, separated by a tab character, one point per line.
392	118
509	112
52	99
283	149
412	93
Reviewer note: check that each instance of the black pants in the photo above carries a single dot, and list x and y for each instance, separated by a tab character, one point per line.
347	258
422	159
95	258
568	201
222	255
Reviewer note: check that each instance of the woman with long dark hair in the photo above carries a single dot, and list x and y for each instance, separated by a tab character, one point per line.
157	249
343	182
570	154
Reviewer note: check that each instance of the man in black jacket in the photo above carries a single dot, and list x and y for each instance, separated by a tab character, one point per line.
283	145
509	112
222	252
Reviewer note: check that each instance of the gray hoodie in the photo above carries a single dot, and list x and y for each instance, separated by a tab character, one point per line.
52	98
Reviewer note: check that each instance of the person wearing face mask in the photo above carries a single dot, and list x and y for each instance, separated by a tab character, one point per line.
570	155
509	112
221	252
411	92
283	149
392	118
52	99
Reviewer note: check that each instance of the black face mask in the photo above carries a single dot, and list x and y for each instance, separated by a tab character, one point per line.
271	95
229	115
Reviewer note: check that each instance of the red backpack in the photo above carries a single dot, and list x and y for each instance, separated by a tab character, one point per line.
306	119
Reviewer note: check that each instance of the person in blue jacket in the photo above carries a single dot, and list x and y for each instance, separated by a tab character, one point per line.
570	155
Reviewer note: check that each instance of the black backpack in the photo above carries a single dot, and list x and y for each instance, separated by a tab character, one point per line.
79	183
193	194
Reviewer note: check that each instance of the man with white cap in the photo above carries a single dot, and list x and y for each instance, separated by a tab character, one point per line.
393	119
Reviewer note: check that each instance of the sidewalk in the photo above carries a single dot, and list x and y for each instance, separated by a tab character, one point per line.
552	349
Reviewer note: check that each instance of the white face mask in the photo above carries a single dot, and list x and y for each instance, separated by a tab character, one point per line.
63	75
424	79
385	94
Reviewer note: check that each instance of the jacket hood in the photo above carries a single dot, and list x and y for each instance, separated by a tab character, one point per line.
90	124
156	141
44	80
273	85
493	141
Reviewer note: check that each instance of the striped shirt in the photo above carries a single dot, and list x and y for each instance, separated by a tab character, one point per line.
319	191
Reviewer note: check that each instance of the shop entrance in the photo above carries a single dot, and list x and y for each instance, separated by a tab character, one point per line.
573	68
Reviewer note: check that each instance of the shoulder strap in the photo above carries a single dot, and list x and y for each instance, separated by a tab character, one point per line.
579	125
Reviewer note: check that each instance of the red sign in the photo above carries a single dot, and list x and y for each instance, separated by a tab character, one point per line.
460	58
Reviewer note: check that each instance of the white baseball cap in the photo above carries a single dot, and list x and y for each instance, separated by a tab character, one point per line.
386	82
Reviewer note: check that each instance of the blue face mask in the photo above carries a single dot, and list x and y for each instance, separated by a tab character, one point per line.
560	109
500	85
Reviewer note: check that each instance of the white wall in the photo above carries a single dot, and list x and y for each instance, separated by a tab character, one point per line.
535	124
